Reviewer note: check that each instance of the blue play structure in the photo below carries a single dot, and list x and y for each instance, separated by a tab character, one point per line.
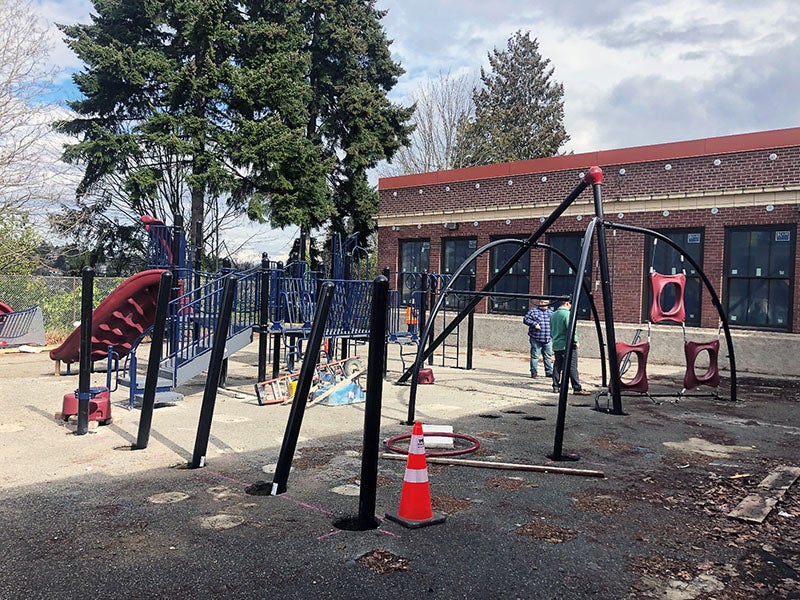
278	301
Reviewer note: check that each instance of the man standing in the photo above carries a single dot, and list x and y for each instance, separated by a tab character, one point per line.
538	321
559	327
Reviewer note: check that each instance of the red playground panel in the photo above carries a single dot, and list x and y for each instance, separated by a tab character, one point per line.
99	405
118	320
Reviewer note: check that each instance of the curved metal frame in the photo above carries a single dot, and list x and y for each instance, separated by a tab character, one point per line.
711	291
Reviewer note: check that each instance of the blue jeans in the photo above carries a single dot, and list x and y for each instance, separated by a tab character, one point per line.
545	349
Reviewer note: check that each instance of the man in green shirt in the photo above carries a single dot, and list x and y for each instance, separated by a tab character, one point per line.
559	326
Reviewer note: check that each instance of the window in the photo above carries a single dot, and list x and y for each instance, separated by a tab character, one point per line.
667	261
560	279
515	281
414	259
759	269
454	252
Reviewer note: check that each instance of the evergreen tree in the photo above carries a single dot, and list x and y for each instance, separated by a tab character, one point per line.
274	106
519	110
350	117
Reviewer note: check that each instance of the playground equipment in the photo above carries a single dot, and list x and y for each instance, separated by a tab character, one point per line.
593	178
667	305
277	301
329	378
118	321
19	328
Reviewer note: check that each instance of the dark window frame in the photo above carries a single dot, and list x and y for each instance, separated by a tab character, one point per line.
459	301
728	278
510	306
405	291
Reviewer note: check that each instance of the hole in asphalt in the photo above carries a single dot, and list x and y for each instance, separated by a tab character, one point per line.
489	416
355	524
259	488
533	418
514	412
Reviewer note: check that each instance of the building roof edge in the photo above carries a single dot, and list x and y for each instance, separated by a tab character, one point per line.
727	144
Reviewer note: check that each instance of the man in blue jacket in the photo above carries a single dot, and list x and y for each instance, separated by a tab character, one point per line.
538	321
559	327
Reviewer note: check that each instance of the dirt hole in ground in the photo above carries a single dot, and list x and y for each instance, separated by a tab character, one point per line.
544	531
450	504
383	562
508	483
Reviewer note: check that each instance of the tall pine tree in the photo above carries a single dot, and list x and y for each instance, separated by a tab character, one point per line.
350	117
519	110
278	107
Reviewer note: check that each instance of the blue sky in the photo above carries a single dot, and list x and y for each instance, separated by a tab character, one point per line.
634	72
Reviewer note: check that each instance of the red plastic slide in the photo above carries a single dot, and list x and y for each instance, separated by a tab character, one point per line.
118	320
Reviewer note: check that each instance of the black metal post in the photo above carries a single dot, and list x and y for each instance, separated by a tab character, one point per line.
84	375
423	353
214	372
263	329
277	337
608	304
153	363
570	350
303	388
372	409
470	338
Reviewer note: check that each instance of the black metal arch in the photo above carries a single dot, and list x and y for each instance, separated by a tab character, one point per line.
706	282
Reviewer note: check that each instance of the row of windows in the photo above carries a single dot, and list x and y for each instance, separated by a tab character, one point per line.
758	276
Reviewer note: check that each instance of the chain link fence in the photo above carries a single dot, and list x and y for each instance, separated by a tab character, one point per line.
59	298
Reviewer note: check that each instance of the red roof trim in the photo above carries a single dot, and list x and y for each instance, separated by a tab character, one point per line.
744	142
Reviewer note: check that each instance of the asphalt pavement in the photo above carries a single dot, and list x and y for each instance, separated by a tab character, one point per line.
86	516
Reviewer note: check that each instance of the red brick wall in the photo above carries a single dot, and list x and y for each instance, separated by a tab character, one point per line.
738	171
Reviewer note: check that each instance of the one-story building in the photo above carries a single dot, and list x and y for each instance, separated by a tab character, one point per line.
732	203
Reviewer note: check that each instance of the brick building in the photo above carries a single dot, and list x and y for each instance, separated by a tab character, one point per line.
733	203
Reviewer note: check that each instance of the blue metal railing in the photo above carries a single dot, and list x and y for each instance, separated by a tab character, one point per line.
194	316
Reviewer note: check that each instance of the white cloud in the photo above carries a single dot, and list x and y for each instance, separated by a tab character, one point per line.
634	73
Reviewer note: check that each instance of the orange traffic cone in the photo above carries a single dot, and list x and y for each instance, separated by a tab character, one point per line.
415	498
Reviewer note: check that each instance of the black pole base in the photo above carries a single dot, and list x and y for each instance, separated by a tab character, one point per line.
609	410
357	523
260	488
563	457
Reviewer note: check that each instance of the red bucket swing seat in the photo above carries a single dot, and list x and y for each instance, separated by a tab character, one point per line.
711	377
658	283
639	382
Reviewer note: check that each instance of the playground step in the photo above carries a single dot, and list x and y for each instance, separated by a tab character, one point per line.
162	382
161	398
199	363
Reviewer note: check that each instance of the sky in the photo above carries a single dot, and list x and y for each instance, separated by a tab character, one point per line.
634	72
